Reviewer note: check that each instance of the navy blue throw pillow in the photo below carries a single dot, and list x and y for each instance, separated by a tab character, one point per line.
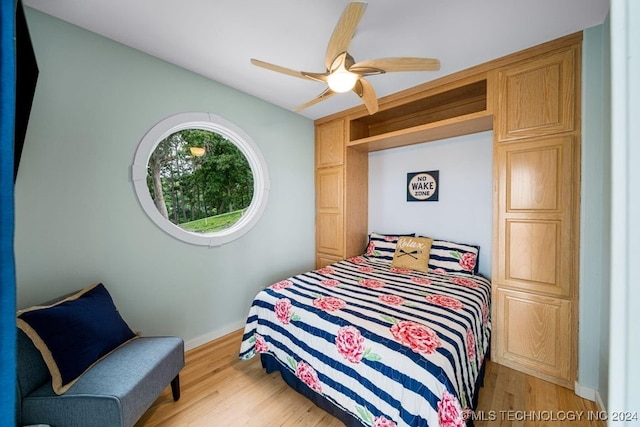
75	333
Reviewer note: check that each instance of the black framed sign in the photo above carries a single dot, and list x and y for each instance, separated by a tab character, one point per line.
423	186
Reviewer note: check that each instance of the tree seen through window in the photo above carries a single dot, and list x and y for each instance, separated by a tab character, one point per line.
202	194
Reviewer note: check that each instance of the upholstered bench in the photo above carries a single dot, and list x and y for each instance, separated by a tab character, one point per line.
115	389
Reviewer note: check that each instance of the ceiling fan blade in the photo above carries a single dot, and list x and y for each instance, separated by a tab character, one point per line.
395	64
320	77
344	31
368	95
278	68
324	95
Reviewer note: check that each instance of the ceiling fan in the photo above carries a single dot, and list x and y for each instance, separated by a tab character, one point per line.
342	73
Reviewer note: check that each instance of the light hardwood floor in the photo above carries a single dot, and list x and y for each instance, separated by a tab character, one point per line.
220	390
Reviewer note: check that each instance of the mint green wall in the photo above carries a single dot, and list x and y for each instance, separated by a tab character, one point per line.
595	216
78	220
603	368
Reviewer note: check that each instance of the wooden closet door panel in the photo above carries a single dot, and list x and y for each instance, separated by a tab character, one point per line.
329	234
535	215
330	144
537	97
535	332
533	178
329	189
532	254
330	211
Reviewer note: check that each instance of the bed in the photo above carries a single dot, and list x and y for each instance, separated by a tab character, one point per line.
376	344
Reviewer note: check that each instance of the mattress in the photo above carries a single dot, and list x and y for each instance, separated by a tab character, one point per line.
388	346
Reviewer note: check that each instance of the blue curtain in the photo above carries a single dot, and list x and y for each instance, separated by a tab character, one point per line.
7	266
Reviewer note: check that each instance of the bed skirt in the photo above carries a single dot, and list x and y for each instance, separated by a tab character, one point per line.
271	364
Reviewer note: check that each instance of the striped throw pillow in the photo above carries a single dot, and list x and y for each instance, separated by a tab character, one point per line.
383	246
453	257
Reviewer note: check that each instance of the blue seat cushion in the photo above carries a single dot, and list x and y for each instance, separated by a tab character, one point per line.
116	391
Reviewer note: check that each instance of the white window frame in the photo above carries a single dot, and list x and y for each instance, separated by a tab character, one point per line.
213	123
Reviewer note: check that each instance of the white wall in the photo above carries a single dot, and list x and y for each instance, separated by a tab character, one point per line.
624	349
78	220
463	212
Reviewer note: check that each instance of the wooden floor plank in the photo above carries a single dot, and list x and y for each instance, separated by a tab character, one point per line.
219	389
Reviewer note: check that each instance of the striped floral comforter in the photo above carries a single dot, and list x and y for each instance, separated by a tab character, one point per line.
391	347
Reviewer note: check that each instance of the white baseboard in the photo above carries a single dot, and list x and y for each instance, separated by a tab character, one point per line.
210	336
599	402
585	392
590	394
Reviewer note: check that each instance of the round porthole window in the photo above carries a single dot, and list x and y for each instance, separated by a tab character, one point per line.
200	178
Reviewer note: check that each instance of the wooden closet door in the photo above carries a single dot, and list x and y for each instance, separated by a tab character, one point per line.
341	195
535	215
330	144
330	211
538	97
535	283
536	201
535	334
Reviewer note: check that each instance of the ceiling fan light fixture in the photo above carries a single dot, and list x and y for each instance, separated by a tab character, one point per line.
342	73
341	80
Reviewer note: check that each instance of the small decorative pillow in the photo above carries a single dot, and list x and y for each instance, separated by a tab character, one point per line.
454	257
74	333
412	253
383	246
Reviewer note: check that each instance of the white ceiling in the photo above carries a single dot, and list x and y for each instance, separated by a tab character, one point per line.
216	38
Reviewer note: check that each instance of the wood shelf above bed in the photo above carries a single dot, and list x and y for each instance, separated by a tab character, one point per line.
459	108
447	128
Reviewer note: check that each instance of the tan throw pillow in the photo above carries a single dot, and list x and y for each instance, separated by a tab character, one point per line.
412	253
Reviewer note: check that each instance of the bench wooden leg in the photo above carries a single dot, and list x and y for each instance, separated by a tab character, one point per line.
175	388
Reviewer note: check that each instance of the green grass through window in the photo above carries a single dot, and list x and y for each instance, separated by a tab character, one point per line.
213	223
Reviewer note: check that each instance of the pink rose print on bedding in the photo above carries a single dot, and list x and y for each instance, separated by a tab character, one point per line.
440	271
283	311
383	422
400	270
445	301
350	343
485	313
471	345
357	260
329	303
416	336
464	282
308	375
450	412
421	281
326	270
468	261
261	345
281	285
391	299
391	238
371	283
330	283
365	269
367	417
371	249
